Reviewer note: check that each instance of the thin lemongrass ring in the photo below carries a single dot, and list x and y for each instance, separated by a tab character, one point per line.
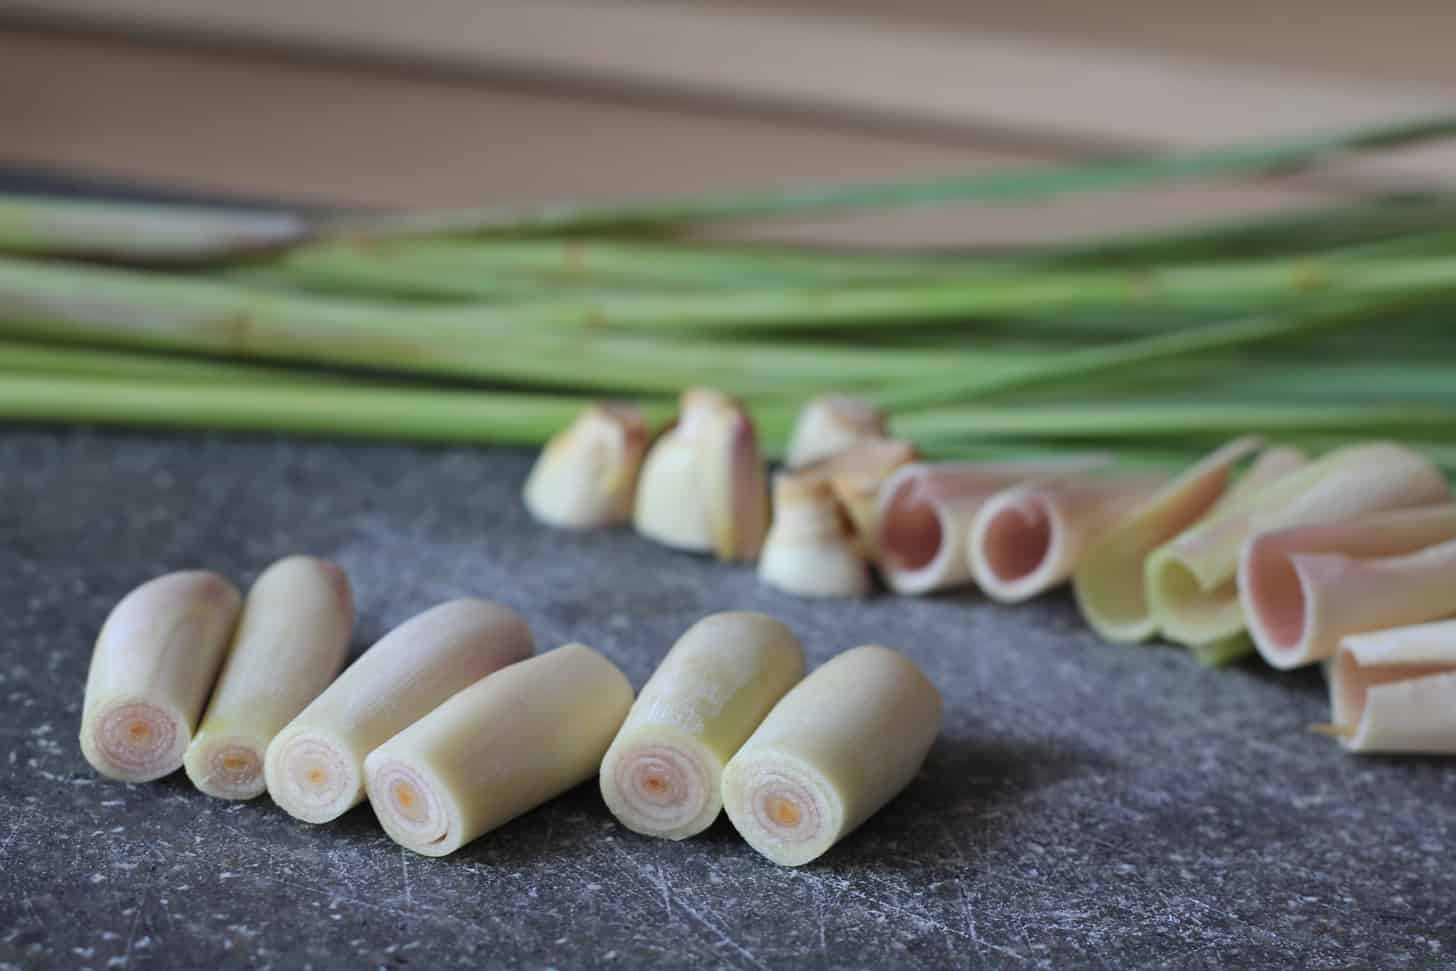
662	783
140	736
1015	540
913	531
316	774
407	804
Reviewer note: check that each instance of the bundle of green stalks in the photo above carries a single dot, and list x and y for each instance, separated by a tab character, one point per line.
1313	327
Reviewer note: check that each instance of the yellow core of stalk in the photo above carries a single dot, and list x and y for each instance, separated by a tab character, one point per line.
139	731
655	783
408	802
784	811
234	763
315	776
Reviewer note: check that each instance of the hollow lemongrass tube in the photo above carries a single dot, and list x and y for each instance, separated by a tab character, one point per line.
1395	690
587	475
811	549
1300	587
291	641
924	512
842	743
855	474
496	749
315	766
1108	579
1027	539
663	774
1191	580
831	423
703	485
154	663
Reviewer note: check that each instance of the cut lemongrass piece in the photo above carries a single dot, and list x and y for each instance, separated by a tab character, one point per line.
924	512
831	423
704	486
1027	539
154	663
315	766
663	774
1191	579
1395	690
845	741
1305	587
1108	579
855	476
811	549
501	747
291	641
587	475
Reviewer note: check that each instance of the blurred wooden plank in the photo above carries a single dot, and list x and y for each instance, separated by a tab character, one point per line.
882	70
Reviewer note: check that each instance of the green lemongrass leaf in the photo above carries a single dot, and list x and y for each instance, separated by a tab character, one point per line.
20	357
1014	186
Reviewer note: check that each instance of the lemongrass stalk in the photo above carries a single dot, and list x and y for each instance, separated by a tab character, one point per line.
18	357
496	749
1395	690
152	668
830	424
663	774
1108	579
1019	185
811	549
587	474
315	765
134	232
291	641
842	743
1191	579
1027	539
1276	587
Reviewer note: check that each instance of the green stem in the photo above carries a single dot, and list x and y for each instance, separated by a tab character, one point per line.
18	357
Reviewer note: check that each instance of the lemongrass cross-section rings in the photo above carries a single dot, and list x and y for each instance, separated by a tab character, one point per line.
1395	690
587	475
154	663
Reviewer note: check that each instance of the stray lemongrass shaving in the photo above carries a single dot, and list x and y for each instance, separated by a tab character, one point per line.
663	774
587	474
830	424
315	765
1302	588
496	749
842	743
811	549
291	641
1395	690
154	663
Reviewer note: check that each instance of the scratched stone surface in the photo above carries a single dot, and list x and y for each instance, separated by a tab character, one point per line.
1086	805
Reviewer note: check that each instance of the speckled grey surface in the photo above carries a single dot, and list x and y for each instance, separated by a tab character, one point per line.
1086	805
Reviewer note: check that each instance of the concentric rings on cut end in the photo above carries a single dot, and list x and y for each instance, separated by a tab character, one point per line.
783	810
410	807
659	789
227	768
312	777
138	741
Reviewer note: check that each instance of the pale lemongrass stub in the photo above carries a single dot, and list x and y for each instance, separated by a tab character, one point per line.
831	423
1191	580
497	749
842	743
1305	587
811	549
1027	539
663	774
704	484
315	765
586	476
1395	690
1108	579
291	641
154	663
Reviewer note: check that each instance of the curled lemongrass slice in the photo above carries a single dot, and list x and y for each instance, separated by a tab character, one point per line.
315	766
587	475
831	423
811	549
855	476
663	774
1027	539
842	743
1191	580
1108	579
1305	587
1395	690
496	749
154	663
290	643
703	485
